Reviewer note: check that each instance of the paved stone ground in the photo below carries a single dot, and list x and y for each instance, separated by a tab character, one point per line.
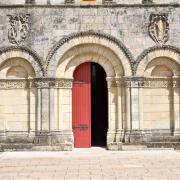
94	164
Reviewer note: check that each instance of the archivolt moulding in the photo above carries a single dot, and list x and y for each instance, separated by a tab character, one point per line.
25	53
89	37
89	53
152	53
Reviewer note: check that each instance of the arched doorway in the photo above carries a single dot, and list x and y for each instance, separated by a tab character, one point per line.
89	105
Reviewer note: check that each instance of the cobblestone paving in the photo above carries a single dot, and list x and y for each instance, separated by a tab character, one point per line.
91	164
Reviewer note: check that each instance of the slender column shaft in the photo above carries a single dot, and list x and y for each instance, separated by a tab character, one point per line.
141	108
119	107
128	109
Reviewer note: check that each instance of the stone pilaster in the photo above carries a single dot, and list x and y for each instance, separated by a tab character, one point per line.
43	126
112	144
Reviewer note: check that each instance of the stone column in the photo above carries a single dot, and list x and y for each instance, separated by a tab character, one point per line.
176	103
134	108
60	109
141	108
52	125
45	108
38	124
128	111
32	108
136	134
63	136
43	125
119	124
112	144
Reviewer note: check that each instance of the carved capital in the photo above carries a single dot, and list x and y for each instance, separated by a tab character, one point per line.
63	83
152	82
111	82
43	83
119	82
13	84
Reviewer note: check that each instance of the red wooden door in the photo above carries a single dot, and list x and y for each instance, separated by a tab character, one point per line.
81	106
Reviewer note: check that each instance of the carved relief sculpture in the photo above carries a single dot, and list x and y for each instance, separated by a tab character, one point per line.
158	28
18	28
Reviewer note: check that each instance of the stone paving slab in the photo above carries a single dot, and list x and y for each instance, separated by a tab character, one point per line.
91	164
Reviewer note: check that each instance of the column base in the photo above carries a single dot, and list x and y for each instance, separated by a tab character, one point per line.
42	141
114	140
62	138
111	136
134	136
176	132
114	146
119	135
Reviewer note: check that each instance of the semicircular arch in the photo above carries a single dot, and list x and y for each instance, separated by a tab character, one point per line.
88	53
23	53
73	41
104	62
167	53
164	62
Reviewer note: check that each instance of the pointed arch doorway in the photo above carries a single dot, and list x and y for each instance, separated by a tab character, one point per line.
89	106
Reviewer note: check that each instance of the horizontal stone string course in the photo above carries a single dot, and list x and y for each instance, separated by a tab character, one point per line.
37	83
67	83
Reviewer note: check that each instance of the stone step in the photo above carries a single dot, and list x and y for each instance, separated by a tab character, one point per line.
32	147
128	147
165	139
151	146
174	145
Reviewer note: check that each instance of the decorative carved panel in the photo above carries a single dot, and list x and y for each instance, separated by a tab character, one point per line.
18	28
158	28
63	83
13	84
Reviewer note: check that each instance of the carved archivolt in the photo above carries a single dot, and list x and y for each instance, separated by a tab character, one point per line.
31	56
89	53
152	53
89	37
158	28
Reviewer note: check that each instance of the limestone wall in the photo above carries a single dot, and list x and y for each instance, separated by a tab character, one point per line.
57	2
157	108
49	25
18	110
41	46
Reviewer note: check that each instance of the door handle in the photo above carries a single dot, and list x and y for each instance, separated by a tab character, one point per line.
82	127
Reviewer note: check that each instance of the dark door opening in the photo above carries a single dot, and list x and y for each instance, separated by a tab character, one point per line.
99	106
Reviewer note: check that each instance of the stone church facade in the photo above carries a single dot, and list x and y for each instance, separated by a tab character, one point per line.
42	42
